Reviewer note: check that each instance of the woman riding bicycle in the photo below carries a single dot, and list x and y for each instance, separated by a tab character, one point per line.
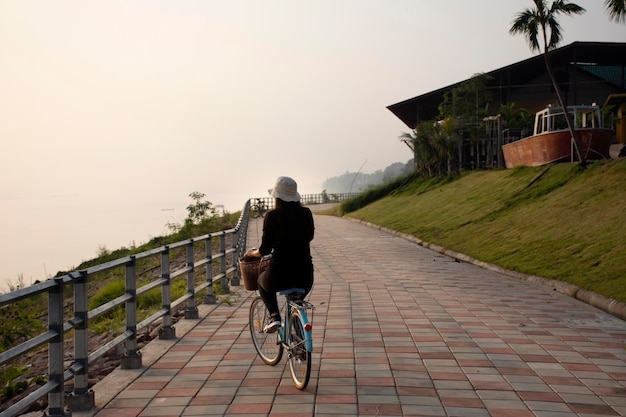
287	232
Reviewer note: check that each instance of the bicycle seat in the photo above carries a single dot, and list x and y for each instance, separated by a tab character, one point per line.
293	294
292	291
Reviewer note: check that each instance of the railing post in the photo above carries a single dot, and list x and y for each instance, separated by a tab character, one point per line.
209	297
56	407
191	312
167	331
224	282
234	280
82	398
132	358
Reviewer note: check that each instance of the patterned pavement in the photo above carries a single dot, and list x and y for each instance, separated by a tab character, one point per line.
399	330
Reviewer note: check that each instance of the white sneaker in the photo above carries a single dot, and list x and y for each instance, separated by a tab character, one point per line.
272	326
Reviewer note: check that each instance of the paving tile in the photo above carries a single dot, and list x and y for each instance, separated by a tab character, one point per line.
177	392
155	385
124	412
336	409
128	403
162	411
144	393
466	412
382	409
460	402
249	409
169	401
212	399
205	410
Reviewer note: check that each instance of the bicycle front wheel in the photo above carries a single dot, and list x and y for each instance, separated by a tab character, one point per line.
255	211
267	345
299	356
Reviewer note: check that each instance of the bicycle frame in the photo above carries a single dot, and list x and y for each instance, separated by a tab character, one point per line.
302	306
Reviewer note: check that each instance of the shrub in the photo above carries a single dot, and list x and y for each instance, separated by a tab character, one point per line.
112	290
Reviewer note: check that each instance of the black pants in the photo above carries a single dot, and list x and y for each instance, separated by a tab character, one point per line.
271	281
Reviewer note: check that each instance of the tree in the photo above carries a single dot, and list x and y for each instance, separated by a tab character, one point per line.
467	103
200	210
463	109
419	141
516	118
434	148
616	10
536	22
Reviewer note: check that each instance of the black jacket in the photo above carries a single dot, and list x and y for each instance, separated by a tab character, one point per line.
287	233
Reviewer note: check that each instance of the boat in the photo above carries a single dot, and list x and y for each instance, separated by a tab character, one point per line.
552	141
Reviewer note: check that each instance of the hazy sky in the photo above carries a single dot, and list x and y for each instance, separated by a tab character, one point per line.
129	106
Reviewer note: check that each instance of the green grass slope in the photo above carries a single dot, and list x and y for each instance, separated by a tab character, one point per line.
560	222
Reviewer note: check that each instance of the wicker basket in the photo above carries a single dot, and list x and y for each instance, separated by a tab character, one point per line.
250	271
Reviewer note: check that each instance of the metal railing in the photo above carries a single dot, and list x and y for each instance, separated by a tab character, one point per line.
214	254
309	199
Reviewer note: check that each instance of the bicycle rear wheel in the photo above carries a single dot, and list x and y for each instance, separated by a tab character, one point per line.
299	356
267	345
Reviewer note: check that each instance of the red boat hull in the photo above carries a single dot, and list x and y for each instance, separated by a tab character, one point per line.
551	147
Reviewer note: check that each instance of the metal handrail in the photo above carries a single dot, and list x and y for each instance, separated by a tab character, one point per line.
220	246
230	246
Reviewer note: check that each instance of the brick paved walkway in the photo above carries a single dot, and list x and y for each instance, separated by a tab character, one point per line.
399	330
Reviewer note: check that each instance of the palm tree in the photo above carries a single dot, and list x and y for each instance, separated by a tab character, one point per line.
434	148
424	155
539	21
616	10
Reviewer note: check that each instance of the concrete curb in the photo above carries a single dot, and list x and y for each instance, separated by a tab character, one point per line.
609	305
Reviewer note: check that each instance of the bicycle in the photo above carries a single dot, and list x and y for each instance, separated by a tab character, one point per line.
294	335
258	209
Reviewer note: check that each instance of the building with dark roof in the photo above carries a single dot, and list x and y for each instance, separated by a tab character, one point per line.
587	72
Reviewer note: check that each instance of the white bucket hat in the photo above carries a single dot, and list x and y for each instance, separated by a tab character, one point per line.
286	189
